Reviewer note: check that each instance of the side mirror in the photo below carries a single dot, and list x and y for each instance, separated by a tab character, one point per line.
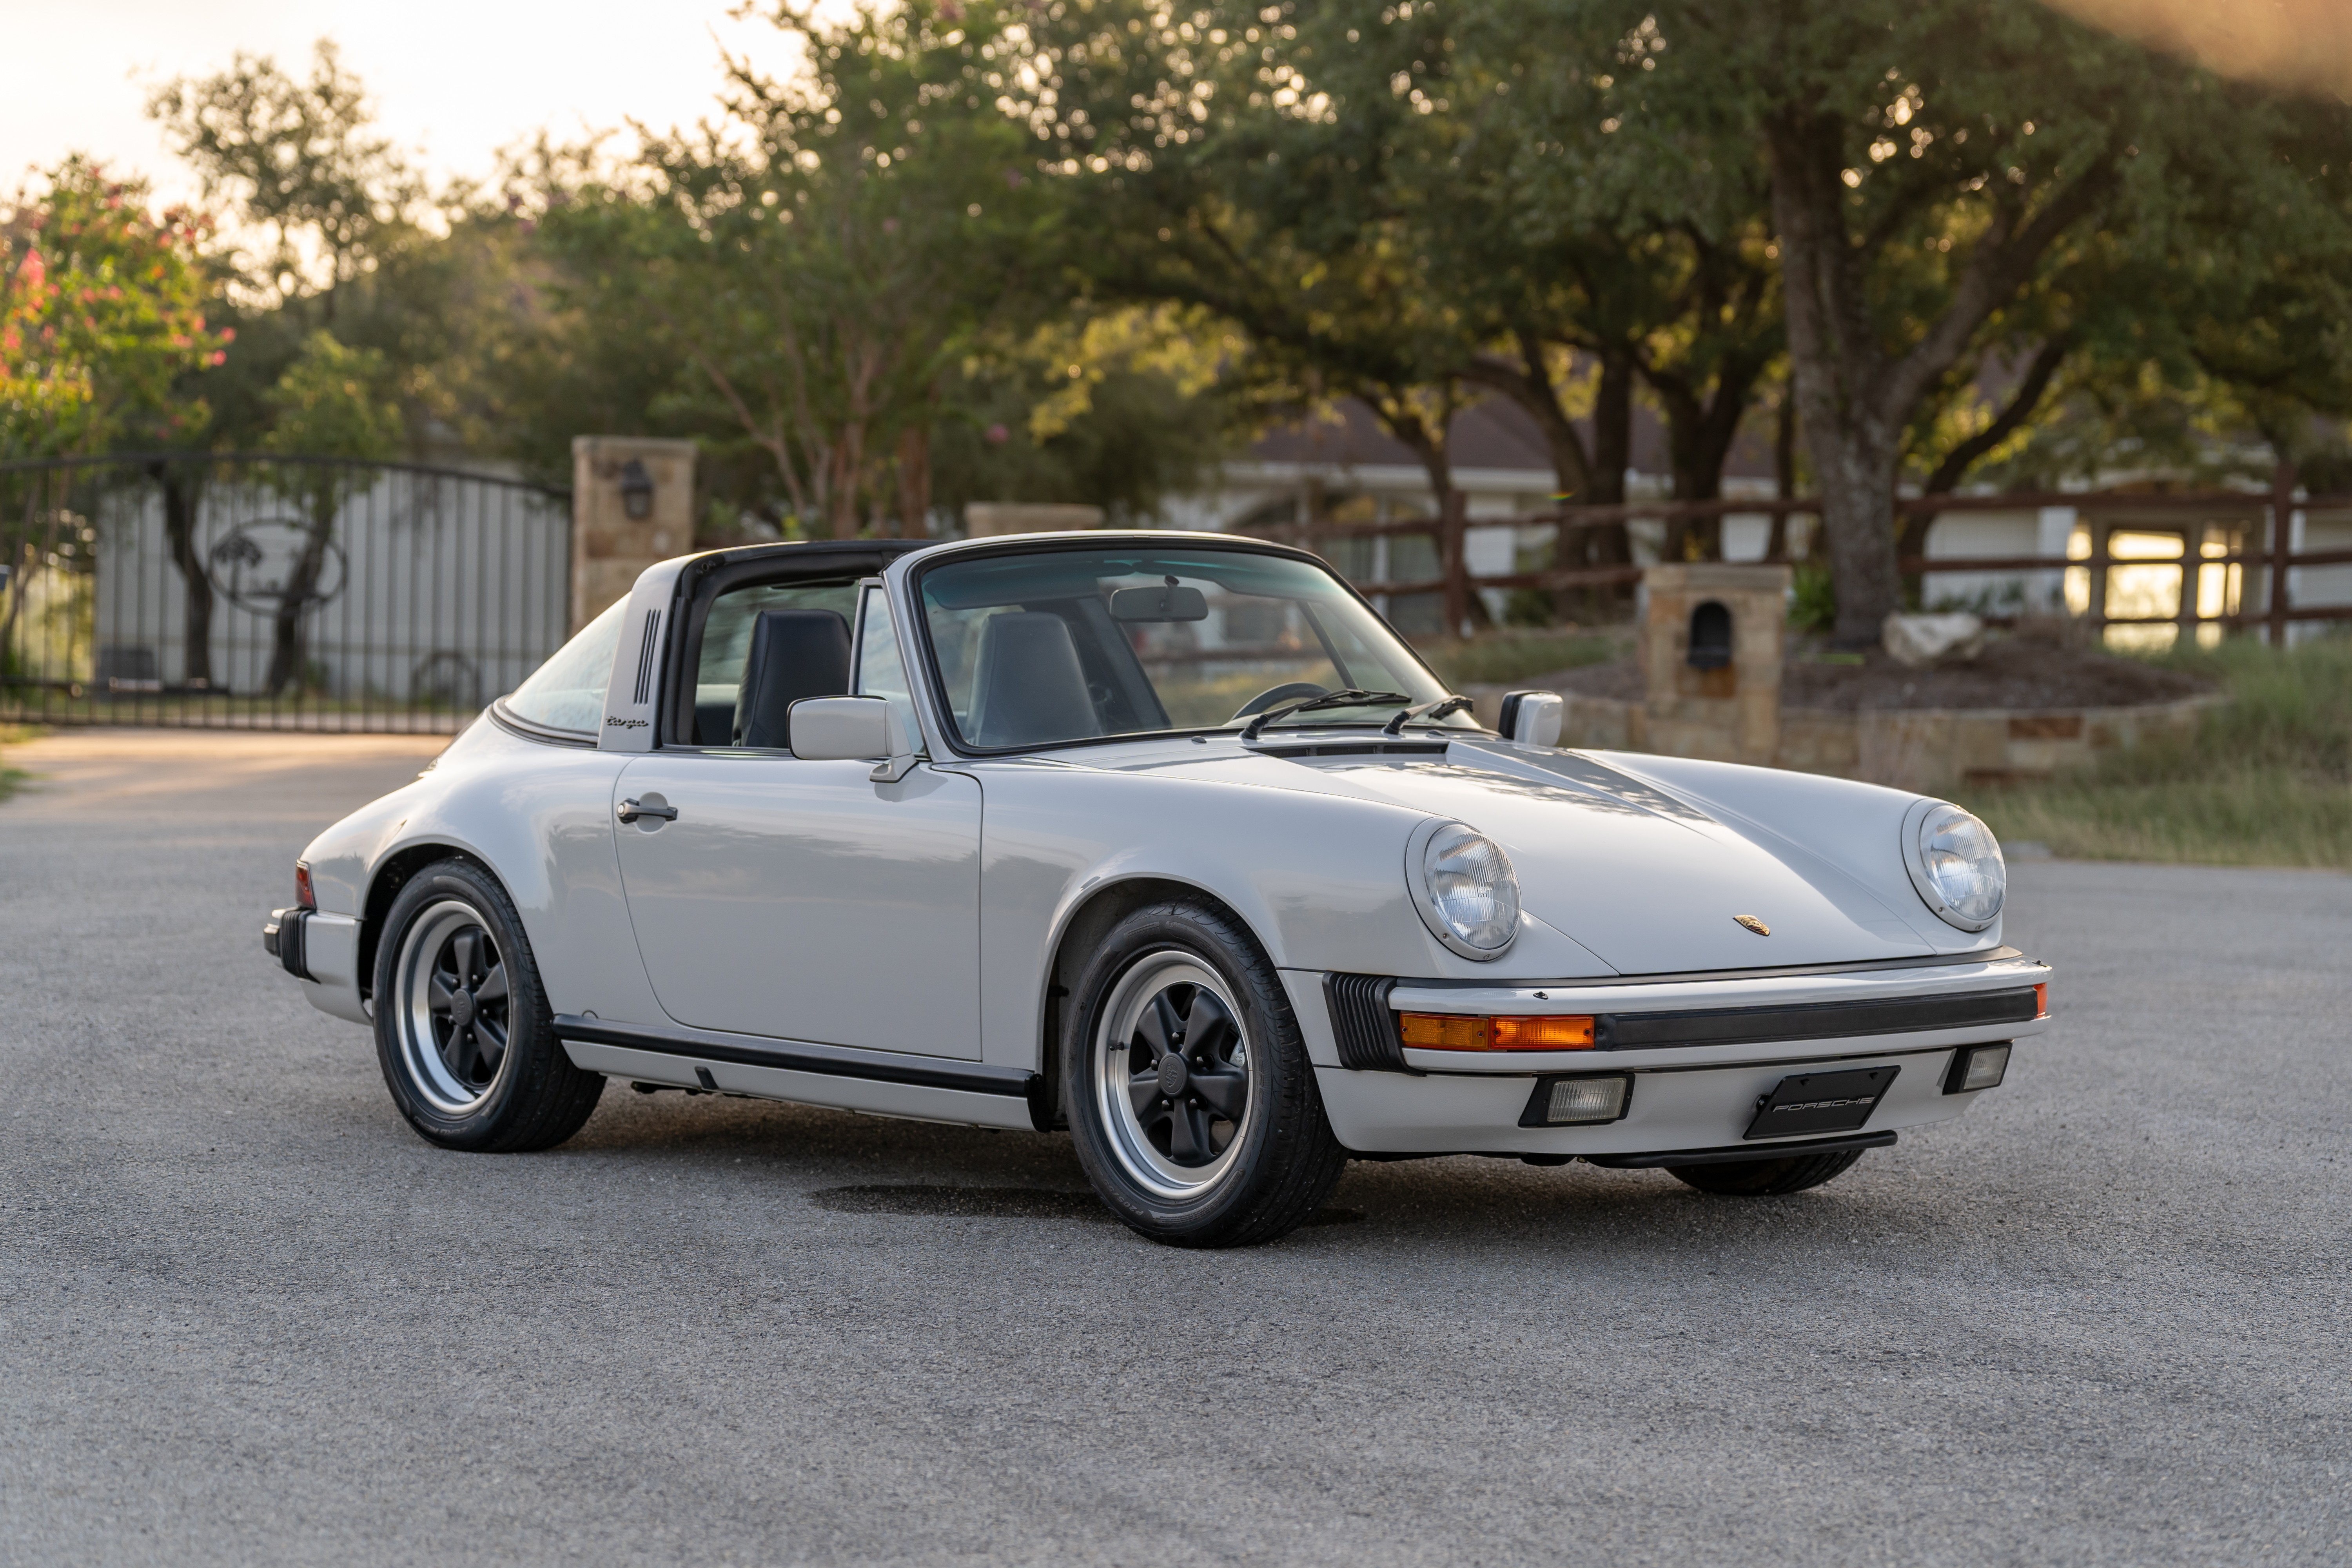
1532	717
850	730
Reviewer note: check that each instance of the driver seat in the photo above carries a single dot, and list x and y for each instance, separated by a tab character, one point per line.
794	654
1027	686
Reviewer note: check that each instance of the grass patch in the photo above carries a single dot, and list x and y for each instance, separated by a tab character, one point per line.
13	779
2267	780
1505	657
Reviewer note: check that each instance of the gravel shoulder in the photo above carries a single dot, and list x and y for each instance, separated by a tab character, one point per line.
246	1317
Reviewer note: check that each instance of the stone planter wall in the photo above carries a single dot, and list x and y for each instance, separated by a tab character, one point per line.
1925	749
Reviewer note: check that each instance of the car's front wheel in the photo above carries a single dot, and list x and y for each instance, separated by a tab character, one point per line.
462	1026
1191	1101
1768	1178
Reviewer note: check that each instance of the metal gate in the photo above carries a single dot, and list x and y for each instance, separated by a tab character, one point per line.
268	592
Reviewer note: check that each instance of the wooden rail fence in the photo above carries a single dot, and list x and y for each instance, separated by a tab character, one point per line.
2261	521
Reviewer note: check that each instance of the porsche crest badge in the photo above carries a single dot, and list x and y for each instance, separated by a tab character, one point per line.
1752	924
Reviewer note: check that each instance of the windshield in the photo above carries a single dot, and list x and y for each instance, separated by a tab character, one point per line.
1057	645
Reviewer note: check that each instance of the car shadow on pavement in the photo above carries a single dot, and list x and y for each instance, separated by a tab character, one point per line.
891	1171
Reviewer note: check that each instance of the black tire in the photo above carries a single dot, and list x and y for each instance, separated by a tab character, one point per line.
487	1075
1163	1167
1768	1178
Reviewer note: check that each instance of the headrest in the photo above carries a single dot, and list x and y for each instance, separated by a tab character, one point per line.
1027	686
794	654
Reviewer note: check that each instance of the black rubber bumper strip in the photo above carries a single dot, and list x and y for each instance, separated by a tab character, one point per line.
1740	1151
281	938
1813	1021
972	1077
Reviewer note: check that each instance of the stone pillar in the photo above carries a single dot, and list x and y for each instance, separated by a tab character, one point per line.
609	546
1713	639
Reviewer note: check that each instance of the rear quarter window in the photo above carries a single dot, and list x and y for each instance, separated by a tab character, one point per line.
567	692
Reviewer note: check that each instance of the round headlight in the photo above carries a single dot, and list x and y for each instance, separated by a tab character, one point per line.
1956	864
1464	888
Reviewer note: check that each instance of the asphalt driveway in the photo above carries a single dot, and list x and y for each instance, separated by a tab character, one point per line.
246	1316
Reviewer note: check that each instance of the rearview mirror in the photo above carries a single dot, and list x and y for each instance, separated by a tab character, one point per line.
844	730
1168	603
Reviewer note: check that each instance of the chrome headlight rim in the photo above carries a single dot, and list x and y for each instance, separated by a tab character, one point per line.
1914	861
1425	901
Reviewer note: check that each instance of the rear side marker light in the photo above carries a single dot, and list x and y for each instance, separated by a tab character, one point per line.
1578	1101
1976	1067
1459	1032
304	896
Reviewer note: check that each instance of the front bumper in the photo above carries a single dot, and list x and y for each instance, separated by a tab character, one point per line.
1700	1053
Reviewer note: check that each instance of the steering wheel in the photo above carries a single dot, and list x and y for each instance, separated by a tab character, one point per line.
1287	691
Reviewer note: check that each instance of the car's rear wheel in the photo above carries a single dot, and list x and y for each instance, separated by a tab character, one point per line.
463	1031
1191	1101
1768	1178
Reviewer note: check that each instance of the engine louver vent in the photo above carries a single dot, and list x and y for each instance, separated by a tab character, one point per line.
1361	1022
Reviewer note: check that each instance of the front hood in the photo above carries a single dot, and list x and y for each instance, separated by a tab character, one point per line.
1646	881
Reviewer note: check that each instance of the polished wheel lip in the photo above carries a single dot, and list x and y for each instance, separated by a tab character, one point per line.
431	936
1122	1031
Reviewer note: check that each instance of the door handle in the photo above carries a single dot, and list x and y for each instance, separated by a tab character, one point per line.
630	810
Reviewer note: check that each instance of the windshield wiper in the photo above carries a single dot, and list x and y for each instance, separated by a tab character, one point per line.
1353	697
1427	713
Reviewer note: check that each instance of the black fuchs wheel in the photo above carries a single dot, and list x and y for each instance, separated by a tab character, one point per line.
1191	1101
1768	1178
462	1026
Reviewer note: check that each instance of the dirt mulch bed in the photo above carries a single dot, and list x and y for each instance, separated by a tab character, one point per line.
2012	672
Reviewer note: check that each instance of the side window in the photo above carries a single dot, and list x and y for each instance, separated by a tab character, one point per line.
765	647
880	671
567	692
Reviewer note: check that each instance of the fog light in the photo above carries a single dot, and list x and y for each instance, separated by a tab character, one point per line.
1976	1067
1571	1101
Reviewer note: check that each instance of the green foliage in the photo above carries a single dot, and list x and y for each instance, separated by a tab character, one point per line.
297	158
2266	781
332	402
1814	607
831	256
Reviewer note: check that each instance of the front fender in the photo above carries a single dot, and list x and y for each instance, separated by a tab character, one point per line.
1320	880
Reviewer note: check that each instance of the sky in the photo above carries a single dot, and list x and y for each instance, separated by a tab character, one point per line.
452	79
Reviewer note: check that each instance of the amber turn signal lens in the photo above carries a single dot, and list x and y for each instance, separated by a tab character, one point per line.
2041	1000
1455	1032
1570	1034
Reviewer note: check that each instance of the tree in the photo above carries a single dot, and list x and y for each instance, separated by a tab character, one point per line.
1593	241
102	306
102	323
332	404
1928	162
299	161
827	257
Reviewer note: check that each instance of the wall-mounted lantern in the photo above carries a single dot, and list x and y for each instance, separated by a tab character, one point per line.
636	490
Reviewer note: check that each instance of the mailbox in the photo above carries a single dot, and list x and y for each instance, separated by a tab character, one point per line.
1713	639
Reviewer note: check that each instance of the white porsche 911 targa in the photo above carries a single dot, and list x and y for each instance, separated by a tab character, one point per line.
1164	838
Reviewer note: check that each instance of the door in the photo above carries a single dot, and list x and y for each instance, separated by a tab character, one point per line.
803	900
807	900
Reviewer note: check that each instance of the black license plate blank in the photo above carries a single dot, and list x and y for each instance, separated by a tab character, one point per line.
1817	1103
